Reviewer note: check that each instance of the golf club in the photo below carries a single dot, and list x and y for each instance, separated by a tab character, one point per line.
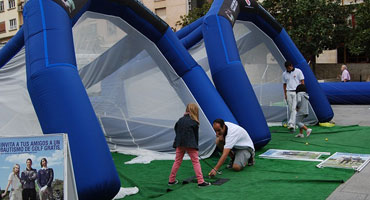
218	172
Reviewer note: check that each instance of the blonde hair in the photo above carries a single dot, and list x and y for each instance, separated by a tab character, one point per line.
19	169
193	111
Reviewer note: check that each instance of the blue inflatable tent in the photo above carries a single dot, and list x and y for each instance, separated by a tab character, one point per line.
225	54
60	99
61	102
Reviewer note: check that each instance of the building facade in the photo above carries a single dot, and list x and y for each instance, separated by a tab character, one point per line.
11	18
171	10
168	10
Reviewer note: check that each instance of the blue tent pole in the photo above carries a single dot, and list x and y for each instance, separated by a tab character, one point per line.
230	77
60	99
12	47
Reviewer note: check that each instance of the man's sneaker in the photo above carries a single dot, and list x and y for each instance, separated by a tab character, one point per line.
204	184
291	126
308	132
251	160
173	183
299	135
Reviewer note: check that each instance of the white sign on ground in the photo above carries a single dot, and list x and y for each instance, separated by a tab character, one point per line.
52	147
346	160
293	155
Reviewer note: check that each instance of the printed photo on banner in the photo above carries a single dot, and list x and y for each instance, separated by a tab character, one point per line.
293	155
32	167
346	160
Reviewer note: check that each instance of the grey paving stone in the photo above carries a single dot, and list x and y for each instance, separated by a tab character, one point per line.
347	196
351	115
358	184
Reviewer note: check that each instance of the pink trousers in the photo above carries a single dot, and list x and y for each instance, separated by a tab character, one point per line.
193	153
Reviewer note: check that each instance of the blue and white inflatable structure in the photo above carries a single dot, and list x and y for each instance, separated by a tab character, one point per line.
134	76
223	55
62	104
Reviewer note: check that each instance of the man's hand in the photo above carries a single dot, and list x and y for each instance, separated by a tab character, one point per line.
213	172
220	140
43	188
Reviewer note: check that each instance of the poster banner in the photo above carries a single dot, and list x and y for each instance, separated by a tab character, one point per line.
346	161
293	155
251	5
72	7
28	154
230	10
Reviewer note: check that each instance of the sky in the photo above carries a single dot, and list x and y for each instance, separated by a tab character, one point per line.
18	150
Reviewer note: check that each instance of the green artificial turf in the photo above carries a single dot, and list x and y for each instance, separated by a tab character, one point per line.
267	179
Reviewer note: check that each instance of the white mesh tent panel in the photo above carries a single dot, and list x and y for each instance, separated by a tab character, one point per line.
17	115
135	93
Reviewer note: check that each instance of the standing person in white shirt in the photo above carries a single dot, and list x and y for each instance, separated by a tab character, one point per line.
235	142
292	77
345	77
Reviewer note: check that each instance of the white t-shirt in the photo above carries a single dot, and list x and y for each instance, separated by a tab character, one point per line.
292	79
237	137
16	183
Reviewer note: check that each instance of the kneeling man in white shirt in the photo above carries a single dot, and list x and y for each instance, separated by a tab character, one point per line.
235	142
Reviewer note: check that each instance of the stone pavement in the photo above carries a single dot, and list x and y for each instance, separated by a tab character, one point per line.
351	115
358	186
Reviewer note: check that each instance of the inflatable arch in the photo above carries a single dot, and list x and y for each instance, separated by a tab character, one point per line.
223	54
58	94
62	105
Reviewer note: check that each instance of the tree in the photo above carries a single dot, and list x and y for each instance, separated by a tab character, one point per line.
313	25
360	44
193	15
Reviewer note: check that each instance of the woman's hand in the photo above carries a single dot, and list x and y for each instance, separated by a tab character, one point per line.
3	194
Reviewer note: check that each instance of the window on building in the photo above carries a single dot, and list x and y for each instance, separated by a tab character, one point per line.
2	27
11	4
12	24
196	3
2	6
161	12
